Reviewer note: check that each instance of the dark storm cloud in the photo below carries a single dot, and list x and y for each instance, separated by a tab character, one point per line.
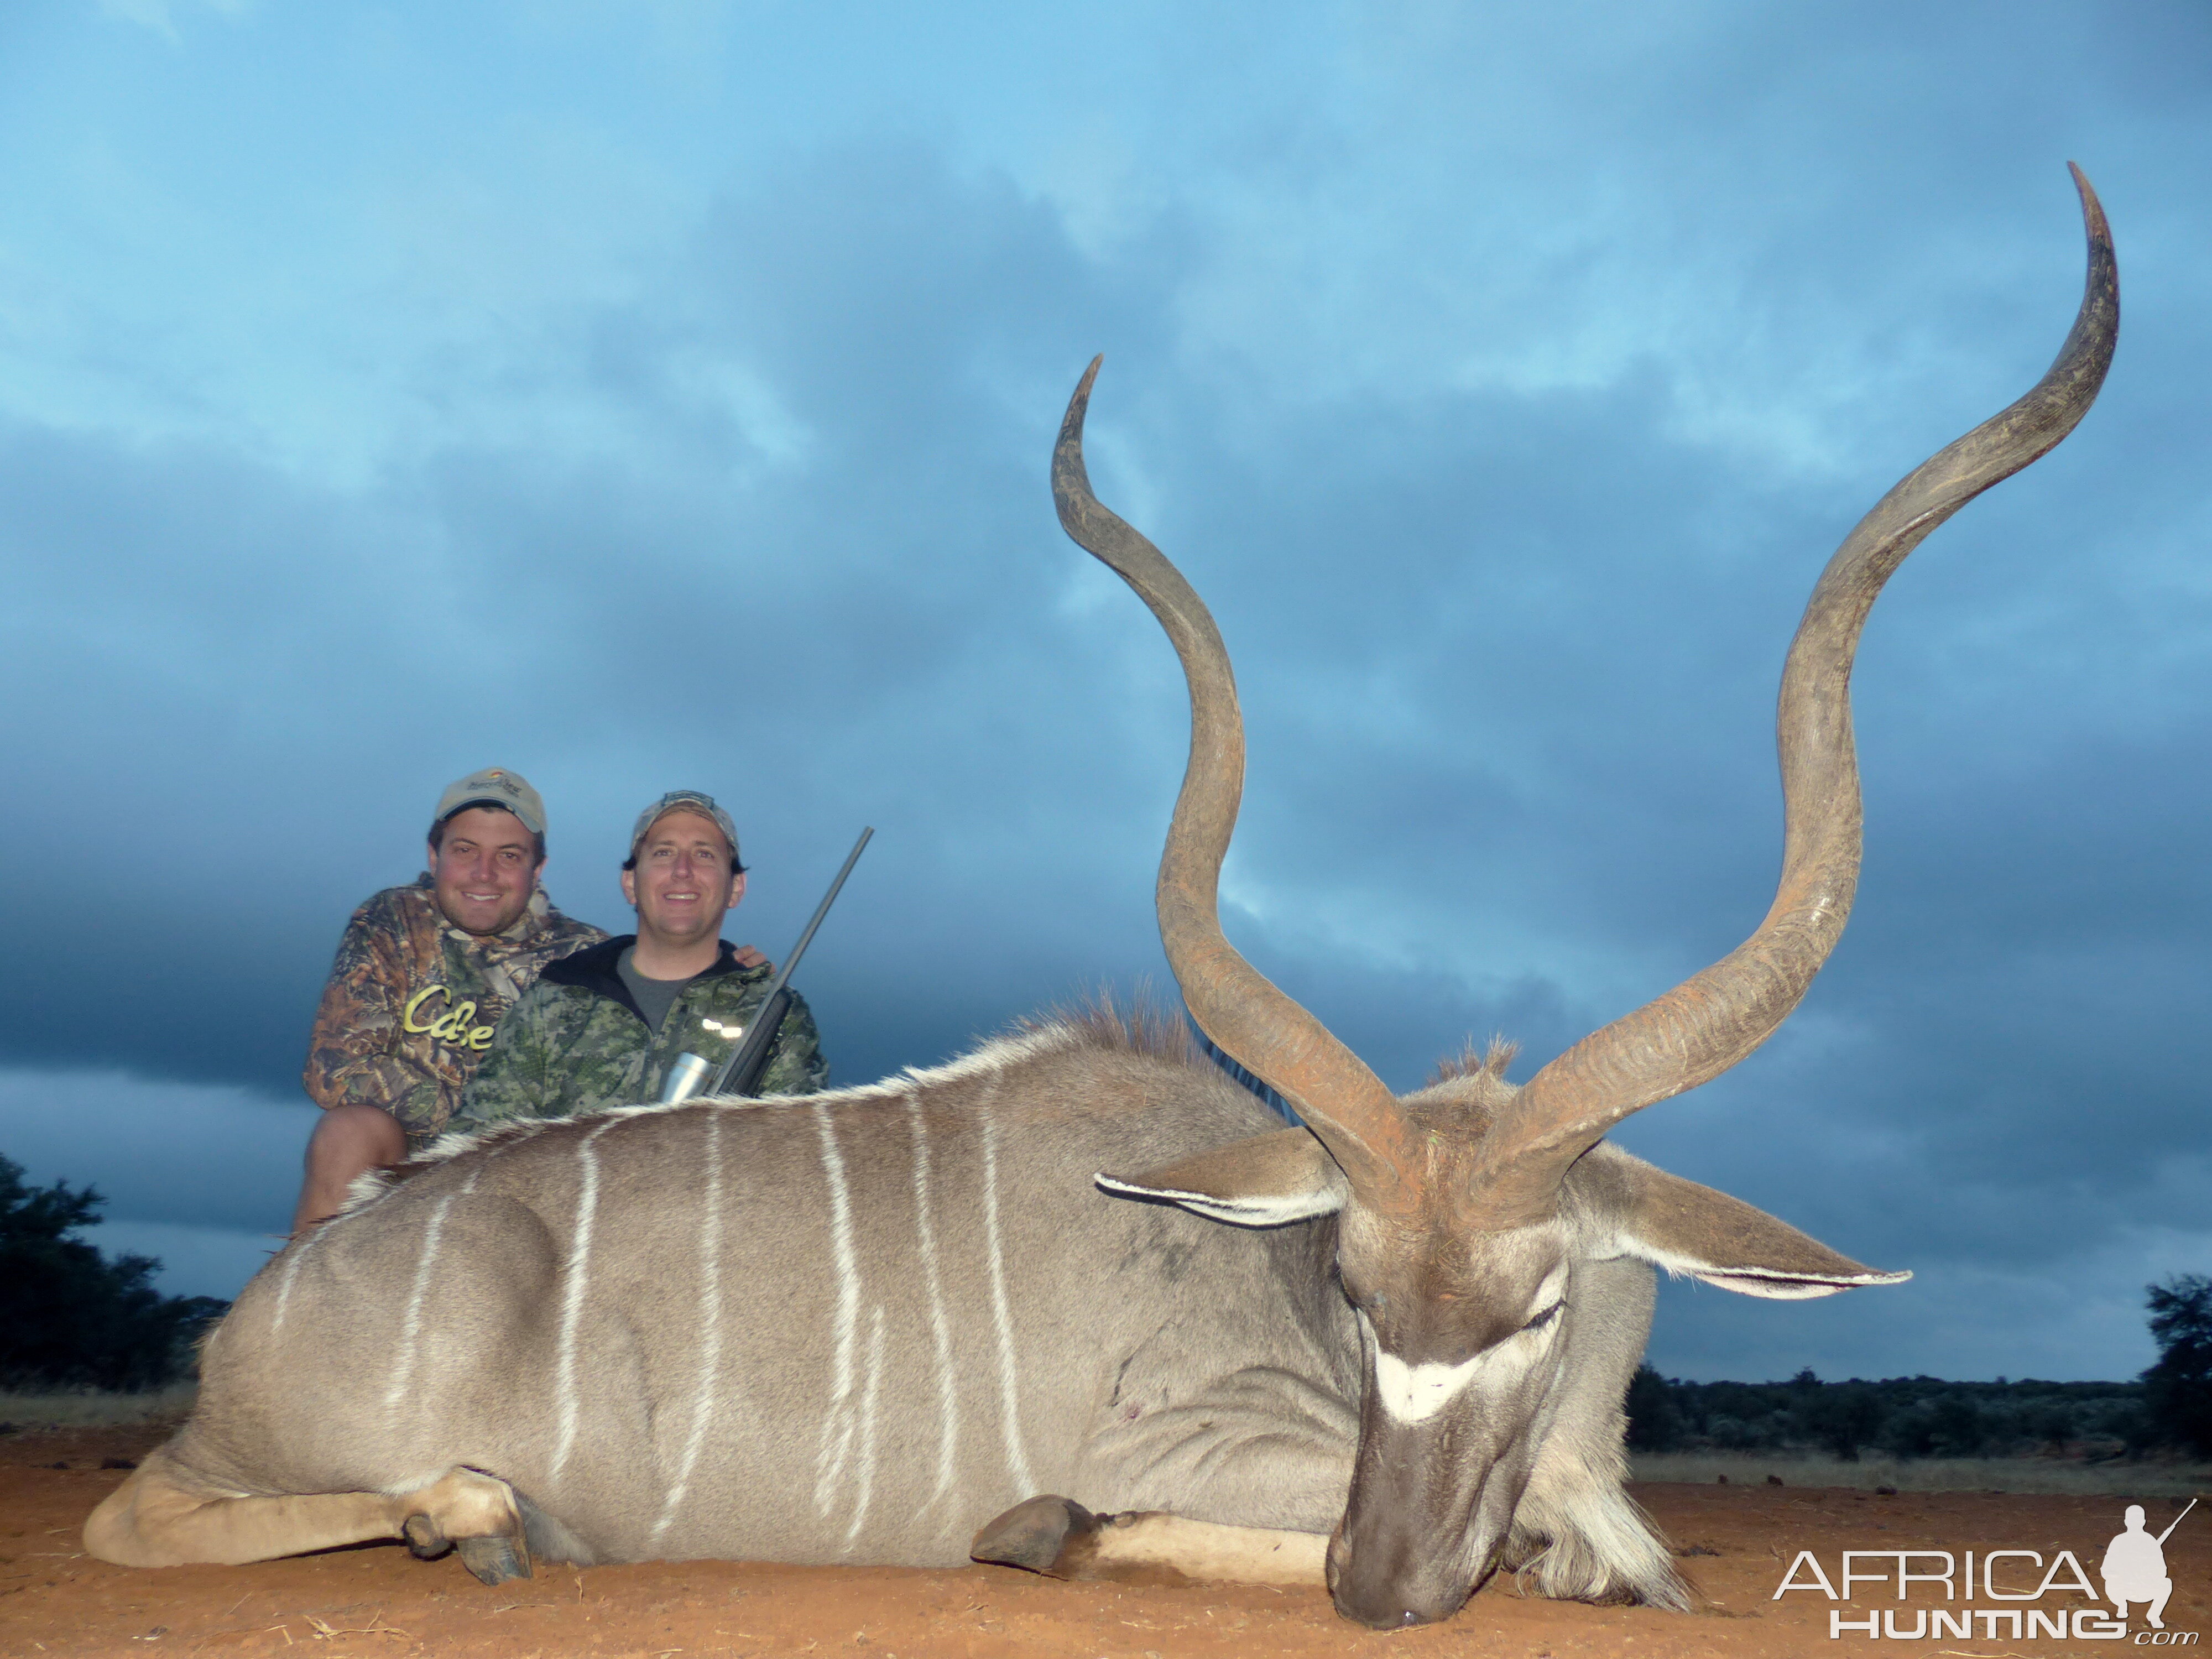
246	692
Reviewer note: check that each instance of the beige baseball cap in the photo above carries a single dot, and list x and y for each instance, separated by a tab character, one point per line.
686	801
495	787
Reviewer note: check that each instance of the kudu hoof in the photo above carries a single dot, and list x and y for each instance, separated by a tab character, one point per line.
1055	1536
495	1558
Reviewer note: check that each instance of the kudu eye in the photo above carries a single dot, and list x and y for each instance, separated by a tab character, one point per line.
1367	1302
1545	1317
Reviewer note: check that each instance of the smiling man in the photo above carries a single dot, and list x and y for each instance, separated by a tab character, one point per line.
602	1027
422	977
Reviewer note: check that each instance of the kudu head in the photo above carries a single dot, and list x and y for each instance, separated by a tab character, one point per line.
1465	1211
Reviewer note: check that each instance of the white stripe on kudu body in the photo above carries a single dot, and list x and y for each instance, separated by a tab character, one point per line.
1009	1386
410	1326
709	1323
402	1371
572	1304
866	1483
292	1271
837	1421
940	1330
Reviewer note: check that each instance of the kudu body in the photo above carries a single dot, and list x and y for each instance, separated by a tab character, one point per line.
851	1327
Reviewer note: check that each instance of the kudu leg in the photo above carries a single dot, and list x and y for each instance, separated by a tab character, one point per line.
1061	1539
153	1520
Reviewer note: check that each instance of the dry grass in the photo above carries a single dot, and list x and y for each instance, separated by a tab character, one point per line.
2063	1476
88	1409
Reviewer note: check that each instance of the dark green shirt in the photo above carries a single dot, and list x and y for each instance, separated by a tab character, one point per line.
653	997
577	1041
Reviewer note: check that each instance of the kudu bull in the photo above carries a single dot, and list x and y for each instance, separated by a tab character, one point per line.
849	1328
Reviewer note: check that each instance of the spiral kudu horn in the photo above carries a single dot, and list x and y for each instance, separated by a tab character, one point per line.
1341	1100
1709	1022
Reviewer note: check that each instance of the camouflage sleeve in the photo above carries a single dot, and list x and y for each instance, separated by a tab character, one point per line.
354	1053
795	1065
519	1076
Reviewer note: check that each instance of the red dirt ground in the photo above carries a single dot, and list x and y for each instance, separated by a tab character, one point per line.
1736	1542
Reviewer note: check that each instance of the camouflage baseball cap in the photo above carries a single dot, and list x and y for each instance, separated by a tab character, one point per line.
495	787
686	801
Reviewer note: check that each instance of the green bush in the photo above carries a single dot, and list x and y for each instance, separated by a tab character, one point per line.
1654	1423
1841	1417
70	1317
2178	1390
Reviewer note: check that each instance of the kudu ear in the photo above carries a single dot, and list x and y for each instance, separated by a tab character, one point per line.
1265	1181
1636	1210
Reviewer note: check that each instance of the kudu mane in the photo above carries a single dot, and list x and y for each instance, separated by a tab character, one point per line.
1096	1023
1142	1024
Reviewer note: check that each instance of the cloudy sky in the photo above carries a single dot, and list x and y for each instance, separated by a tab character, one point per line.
655	395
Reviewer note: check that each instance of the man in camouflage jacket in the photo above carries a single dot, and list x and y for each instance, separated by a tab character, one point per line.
602	1027
422	977
578	1040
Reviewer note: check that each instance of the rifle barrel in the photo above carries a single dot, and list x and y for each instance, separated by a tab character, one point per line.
2175	1522
753	1047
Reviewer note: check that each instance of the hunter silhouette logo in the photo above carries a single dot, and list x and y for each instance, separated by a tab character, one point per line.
2133	1570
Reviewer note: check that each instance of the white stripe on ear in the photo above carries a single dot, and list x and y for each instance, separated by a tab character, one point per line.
1240	1210
1775	1286
1629	1208
1262	1181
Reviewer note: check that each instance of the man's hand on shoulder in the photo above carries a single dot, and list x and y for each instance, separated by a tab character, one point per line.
748	957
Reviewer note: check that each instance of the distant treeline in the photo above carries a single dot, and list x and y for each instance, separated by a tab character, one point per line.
2169	1410
1903	1416
71	1318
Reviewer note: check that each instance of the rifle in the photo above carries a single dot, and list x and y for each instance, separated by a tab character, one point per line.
741	1072
2175	1522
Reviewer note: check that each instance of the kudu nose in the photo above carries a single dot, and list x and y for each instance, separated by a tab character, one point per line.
1387	1600
1387	1612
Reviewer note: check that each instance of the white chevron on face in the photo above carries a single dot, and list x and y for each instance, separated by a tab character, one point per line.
1414	1394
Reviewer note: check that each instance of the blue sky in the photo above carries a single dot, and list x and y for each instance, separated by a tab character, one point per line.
644	396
